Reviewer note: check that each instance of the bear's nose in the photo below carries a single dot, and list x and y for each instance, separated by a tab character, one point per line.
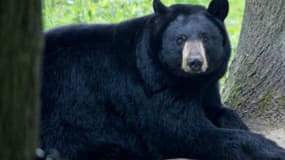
195	63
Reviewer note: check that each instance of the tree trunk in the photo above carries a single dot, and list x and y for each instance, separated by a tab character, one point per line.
256	84
20	53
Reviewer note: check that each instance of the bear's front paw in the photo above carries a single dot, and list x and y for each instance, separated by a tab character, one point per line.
260	148
51	155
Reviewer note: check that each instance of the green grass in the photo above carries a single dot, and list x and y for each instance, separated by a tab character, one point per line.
64	12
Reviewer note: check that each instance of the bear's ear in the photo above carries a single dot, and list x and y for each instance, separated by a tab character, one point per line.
219	9
159	8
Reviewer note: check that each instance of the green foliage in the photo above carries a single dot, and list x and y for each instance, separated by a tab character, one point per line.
63	12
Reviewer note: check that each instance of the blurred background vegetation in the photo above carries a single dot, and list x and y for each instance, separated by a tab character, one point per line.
64	12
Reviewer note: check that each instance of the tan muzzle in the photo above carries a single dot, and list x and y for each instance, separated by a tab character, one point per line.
194	58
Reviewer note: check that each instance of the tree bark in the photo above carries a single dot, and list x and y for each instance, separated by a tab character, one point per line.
256	84
20	53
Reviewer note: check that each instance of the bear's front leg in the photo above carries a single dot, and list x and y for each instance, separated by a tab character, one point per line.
218	114
184	131
228	118
224	144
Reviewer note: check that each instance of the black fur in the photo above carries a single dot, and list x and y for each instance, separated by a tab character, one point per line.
219	9
159	8
116	92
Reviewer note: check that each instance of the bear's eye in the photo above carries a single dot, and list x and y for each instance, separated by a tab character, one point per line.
203	36
181	39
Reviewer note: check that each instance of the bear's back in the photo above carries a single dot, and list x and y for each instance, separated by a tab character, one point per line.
83	60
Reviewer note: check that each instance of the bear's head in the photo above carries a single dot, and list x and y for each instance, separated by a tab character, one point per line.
192	39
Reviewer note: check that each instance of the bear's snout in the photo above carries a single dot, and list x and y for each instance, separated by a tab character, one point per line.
194	58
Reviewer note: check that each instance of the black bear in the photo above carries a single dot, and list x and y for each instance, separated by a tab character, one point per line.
146	88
